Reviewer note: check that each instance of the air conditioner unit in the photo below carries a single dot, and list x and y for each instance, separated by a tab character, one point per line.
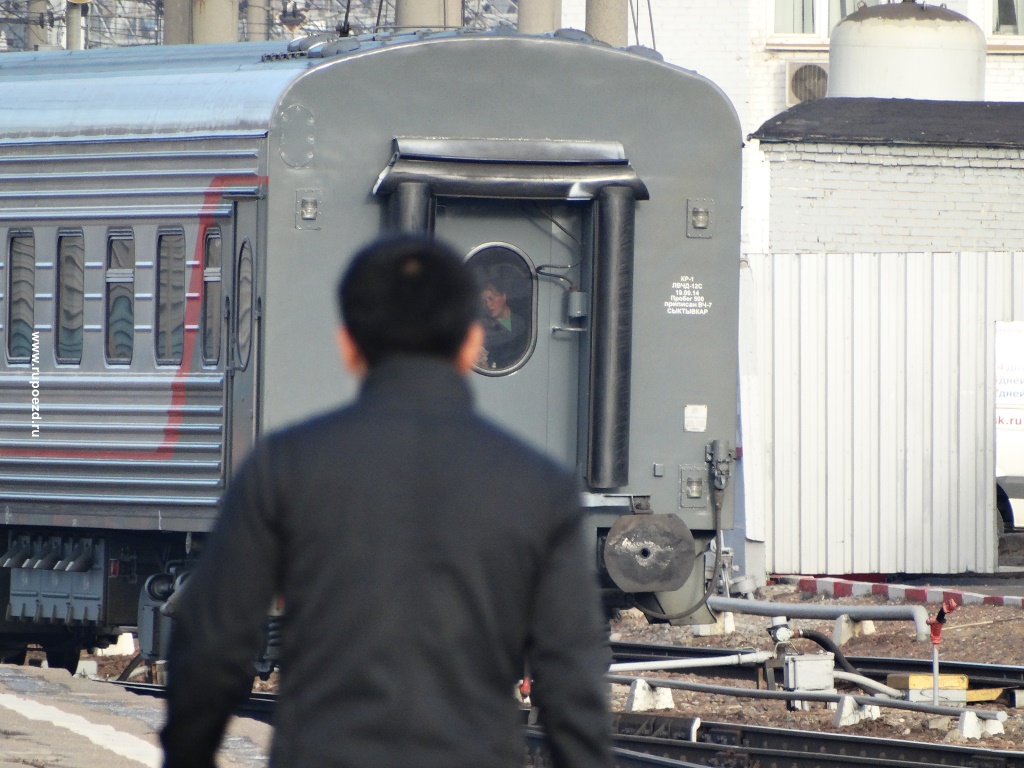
805	81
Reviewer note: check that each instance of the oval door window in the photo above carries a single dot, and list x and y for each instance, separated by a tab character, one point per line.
243	304
508	303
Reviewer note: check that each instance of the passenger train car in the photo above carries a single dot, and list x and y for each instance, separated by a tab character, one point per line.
174	220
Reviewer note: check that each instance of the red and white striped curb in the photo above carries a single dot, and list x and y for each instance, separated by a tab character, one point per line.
831	587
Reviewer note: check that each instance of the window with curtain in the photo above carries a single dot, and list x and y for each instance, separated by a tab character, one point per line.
170	297
120	297
70	296
21	295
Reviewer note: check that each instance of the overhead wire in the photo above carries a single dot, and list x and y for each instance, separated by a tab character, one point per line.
650	16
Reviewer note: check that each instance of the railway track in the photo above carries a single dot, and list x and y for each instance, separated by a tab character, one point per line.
745	746
877	668
680	742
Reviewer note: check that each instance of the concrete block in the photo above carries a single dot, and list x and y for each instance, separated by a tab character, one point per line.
725	624
973	727
846	629
992	727
87	668
849	712
1017	698
969	726
925	681
938	723
125	646
947	696
643	697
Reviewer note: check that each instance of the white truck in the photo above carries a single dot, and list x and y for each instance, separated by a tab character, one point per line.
1009	421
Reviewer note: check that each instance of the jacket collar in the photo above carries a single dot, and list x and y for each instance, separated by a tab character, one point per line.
416	380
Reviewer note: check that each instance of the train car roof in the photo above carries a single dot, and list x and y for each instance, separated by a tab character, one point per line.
184	90
146	90
833	120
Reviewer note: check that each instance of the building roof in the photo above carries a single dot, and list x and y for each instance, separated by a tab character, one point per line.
898	121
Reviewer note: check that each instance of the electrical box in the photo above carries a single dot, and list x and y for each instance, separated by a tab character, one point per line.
810	672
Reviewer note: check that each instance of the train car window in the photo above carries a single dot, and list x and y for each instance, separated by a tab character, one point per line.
243	301
120	297
70	296
21	295
508	305
211	296
170	297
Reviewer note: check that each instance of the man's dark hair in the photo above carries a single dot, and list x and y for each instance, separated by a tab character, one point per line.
496	284
408	294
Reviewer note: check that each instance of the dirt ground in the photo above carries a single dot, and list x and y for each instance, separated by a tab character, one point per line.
988	634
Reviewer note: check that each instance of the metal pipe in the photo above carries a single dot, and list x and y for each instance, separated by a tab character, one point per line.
751	693
539	16
410	208
214	21
869	684
36	34
257	20
726	660
428	14
177	22
607	21
611	343
916	613
74	19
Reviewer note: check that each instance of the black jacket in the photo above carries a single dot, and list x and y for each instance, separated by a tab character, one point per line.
424	556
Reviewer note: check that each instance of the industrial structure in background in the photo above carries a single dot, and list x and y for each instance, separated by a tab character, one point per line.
44	24
27	25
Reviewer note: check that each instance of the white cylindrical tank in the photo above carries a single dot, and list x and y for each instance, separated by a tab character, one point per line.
907	50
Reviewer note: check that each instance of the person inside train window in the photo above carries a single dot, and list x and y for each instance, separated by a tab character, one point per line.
506	335
410	607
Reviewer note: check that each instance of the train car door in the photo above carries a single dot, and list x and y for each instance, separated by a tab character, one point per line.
517	208
527	256
243	313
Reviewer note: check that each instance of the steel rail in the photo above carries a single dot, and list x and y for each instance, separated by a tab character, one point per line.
875	667
742	745
684	742
537	754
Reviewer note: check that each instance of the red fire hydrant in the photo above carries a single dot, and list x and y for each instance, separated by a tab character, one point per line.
936	622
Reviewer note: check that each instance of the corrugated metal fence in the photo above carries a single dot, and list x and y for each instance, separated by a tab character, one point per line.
867	398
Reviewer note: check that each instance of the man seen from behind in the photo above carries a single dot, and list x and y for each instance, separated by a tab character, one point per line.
424	556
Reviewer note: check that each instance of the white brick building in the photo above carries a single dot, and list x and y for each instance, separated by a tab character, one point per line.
746	48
